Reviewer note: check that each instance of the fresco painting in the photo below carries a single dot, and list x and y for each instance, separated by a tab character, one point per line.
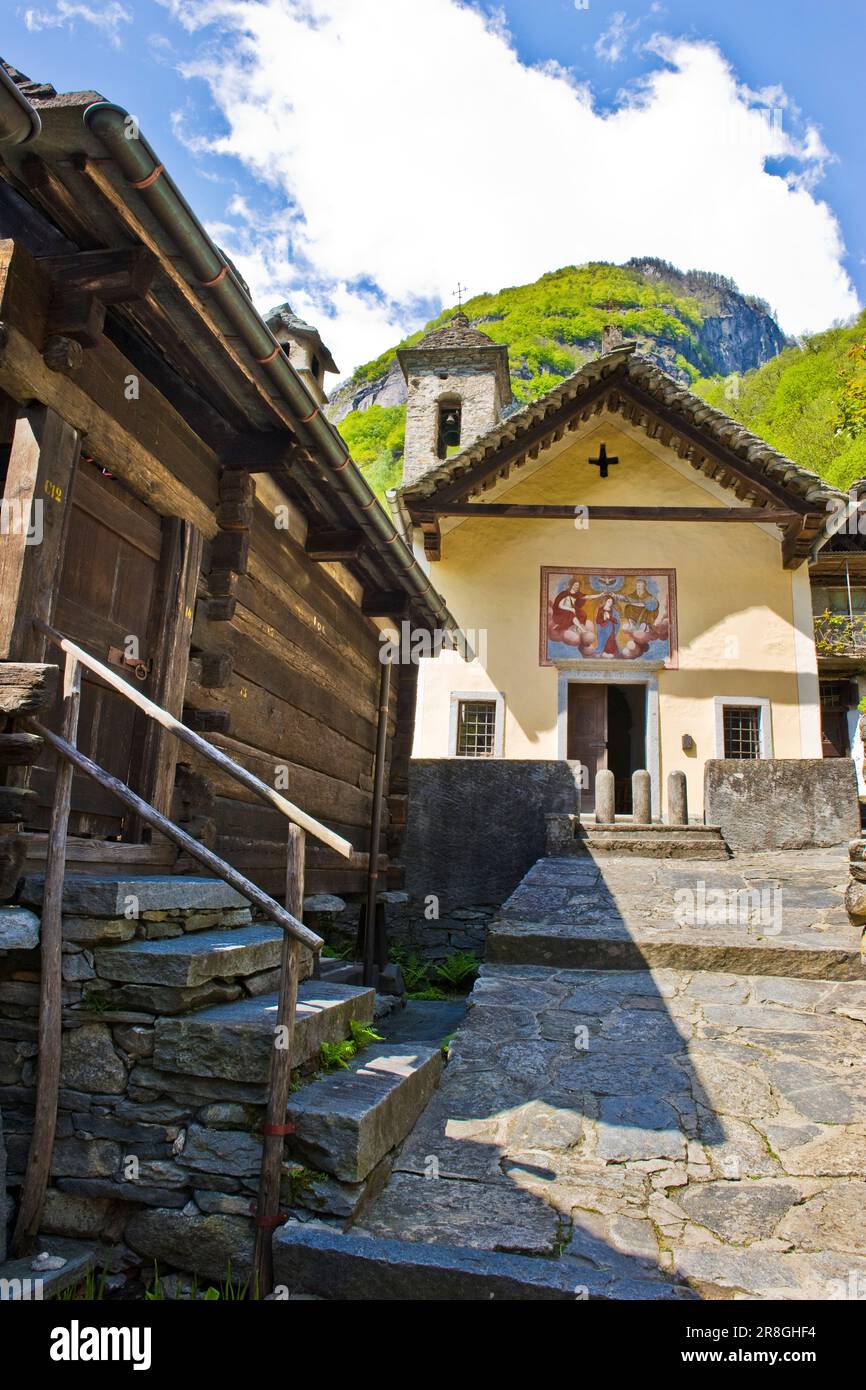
608	615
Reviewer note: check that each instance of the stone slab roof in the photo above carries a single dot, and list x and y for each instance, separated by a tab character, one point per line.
621	368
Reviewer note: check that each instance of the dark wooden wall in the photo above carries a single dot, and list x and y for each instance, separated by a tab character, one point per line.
300	702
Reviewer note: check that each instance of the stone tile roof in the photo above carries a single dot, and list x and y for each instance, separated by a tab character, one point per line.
456	333
283	315
621	367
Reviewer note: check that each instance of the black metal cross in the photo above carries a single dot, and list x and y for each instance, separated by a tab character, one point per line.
458	295
602	463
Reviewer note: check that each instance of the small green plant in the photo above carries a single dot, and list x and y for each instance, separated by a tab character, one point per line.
96	1003
416	972
299	1183
336	1054
346	952
446	1042
229	1290
458	969
92	1290
363	1034
432	992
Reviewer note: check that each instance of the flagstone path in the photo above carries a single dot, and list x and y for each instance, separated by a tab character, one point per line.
671	1129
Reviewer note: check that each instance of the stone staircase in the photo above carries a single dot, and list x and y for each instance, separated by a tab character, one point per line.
169	1008
620	1127
568	834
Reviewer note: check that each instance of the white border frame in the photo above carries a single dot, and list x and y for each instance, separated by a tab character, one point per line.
756	701
476	696
613	676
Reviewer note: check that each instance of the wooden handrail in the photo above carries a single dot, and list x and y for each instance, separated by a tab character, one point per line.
186	735
195	848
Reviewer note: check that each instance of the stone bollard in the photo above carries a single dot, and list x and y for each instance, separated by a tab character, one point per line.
605	813
678	801
641	797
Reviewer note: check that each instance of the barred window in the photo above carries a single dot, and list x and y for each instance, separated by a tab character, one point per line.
476	729
742	726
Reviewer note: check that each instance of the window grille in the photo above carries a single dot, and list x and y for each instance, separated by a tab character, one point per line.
476	729
742	726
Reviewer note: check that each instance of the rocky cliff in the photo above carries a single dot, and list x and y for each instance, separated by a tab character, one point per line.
693	324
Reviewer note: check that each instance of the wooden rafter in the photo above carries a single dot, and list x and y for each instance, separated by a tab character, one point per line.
544	511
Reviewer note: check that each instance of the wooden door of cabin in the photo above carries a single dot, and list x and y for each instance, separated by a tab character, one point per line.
586	739
107	594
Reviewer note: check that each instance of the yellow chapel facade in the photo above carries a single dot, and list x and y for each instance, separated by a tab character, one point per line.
629	568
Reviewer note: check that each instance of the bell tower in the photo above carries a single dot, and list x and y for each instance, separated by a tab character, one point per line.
457	384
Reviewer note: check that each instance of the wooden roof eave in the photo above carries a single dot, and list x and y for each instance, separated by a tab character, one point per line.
620	394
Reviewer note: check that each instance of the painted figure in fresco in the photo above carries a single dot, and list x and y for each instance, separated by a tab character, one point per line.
568	613
640	607
607	625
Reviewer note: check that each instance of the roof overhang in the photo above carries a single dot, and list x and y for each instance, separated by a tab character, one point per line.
763	481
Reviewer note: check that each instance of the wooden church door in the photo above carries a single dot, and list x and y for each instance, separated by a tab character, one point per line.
586	740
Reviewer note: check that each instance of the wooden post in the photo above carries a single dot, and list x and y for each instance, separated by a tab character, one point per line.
376	824
275	1128
41	465
50	987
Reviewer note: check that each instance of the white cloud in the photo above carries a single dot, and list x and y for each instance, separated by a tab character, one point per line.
408	145
611	43
108	18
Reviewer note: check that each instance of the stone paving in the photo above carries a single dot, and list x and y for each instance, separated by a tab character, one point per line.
662	1132
611	912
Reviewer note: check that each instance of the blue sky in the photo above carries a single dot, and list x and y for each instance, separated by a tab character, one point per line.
359	156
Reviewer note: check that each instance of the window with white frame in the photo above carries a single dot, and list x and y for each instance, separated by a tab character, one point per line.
743	729
476	725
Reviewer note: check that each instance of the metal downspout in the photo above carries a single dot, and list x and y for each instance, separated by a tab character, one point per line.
143	172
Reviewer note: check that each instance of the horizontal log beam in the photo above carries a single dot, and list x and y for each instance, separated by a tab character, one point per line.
543	511
113	277
27	686
260	452
16	803
19	750
333	545
385	604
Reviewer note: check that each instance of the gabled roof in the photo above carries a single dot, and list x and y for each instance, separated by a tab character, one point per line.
632	385
284	316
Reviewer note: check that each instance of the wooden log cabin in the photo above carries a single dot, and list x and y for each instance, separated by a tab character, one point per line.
175	501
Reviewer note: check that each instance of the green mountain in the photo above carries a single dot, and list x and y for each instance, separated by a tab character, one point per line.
693	324
809	402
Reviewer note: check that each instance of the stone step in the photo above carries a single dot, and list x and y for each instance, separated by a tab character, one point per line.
340	1266
611	946
232	1041
190	960
20	1282
347	1121
89	895
569	835
344	972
